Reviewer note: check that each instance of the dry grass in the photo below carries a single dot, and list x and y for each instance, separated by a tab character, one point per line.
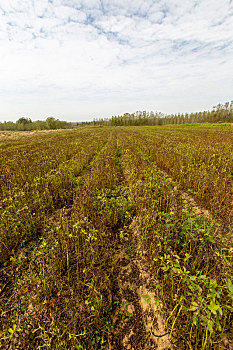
100	250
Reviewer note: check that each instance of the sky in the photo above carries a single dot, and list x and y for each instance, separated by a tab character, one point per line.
77	60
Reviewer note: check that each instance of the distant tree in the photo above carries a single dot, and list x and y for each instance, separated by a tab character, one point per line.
24	120
26	124
51	123
231	106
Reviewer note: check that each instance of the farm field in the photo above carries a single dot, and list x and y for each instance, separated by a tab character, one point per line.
117	238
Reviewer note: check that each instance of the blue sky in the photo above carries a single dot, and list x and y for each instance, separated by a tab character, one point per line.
80	59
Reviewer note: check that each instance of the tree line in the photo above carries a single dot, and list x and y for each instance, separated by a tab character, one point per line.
221	113
26	124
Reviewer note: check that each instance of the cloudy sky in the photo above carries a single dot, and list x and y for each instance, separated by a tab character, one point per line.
80	59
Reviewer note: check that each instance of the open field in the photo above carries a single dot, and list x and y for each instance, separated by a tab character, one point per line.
19	134
117	238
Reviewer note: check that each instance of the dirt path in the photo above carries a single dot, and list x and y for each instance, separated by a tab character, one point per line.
138	323
137	320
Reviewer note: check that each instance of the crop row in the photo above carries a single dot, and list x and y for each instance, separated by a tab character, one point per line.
200	160
64	289
61	291
192	265
47	185
28	158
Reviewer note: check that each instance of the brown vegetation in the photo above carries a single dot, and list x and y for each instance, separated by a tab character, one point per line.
100	250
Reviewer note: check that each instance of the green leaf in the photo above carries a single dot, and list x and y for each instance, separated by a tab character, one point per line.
230	286
213	307
220	310
147	297
210	326
219	326
193	278
194	306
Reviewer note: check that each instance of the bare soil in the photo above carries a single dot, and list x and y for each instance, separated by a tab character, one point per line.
138	323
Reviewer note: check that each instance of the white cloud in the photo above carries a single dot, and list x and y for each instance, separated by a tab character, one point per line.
85	58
